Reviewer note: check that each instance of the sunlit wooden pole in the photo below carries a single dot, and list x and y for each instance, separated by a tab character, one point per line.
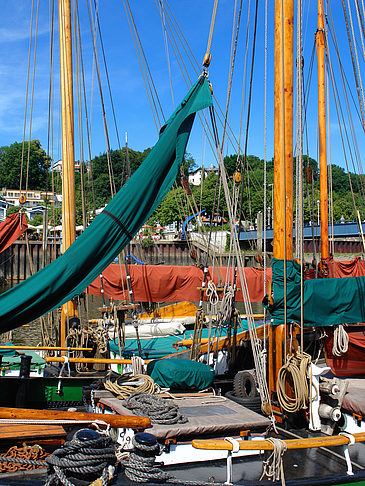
320	41
283	160
68	149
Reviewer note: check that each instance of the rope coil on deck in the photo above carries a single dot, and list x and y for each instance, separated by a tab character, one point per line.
86	457
158	410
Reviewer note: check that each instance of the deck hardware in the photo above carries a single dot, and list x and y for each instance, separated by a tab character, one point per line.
235	448
346	451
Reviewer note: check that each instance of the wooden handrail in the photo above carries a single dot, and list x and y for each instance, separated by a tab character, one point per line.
61	359
256	445
45	348
116	421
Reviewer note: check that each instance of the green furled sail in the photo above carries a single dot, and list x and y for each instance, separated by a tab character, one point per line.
326	302
69	275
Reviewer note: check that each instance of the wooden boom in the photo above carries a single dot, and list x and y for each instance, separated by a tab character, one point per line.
116	421
61	359
45	348
257	445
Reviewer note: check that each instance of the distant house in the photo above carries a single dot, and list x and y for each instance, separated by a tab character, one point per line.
57	166
35	211
3	208
33	198
195	178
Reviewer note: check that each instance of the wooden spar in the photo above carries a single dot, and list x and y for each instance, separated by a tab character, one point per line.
320	41
45	348
122	421
61	359
256	445
283	160
68	148
283	131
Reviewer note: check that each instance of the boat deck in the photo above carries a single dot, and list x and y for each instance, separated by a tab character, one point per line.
206	416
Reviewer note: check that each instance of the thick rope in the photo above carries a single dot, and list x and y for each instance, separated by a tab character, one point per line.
340	341
84	459
141	466
126	385
159	410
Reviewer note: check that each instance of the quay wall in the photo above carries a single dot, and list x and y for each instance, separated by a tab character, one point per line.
16	265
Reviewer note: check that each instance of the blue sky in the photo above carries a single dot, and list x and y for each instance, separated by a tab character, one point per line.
131	103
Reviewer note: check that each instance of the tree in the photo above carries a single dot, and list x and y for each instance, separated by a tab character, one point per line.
11	162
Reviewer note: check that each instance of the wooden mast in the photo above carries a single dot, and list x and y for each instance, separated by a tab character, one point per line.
68	149
283	160
320	41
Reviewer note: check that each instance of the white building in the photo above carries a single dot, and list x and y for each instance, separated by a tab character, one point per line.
57	166
195	178
33	198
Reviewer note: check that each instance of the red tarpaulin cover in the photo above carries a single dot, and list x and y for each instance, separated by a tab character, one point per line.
170	283
352	268
11	229
353	362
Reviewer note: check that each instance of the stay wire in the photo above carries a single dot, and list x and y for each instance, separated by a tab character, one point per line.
26	95
92	24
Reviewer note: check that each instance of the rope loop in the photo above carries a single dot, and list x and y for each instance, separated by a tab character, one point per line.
273	467
125	385
340	341
295	371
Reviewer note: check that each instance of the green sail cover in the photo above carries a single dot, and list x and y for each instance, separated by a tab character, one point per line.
326	302
69	275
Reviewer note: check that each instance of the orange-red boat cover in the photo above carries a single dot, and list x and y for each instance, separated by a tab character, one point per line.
352	363
351	268
170	283
10	229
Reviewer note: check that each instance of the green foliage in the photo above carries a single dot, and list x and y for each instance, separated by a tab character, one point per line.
12	210
11	162
37	220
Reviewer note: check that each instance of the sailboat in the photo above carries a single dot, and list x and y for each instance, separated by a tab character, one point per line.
59	282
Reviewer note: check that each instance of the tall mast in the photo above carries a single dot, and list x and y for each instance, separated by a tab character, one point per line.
68	148
283	131
283	161
320	41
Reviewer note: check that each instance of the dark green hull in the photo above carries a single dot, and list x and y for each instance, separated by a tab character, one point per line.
41	392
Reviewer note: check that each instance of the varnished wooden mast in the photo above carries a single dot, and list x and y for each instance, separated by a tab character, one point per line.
283	131
320	41
68	149
283	161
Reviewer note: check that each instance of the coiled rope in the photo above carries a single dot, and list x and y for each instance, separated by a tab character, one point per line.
141	466
340	341
159	410
273	467
126	385
81	458
296	371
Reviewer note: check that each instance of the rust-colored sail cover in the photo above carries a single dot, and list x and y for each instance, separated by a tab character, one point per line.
170	283
10	229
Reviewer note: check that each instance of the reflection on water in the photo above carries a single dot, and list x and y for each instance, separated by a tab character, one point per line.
88	309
